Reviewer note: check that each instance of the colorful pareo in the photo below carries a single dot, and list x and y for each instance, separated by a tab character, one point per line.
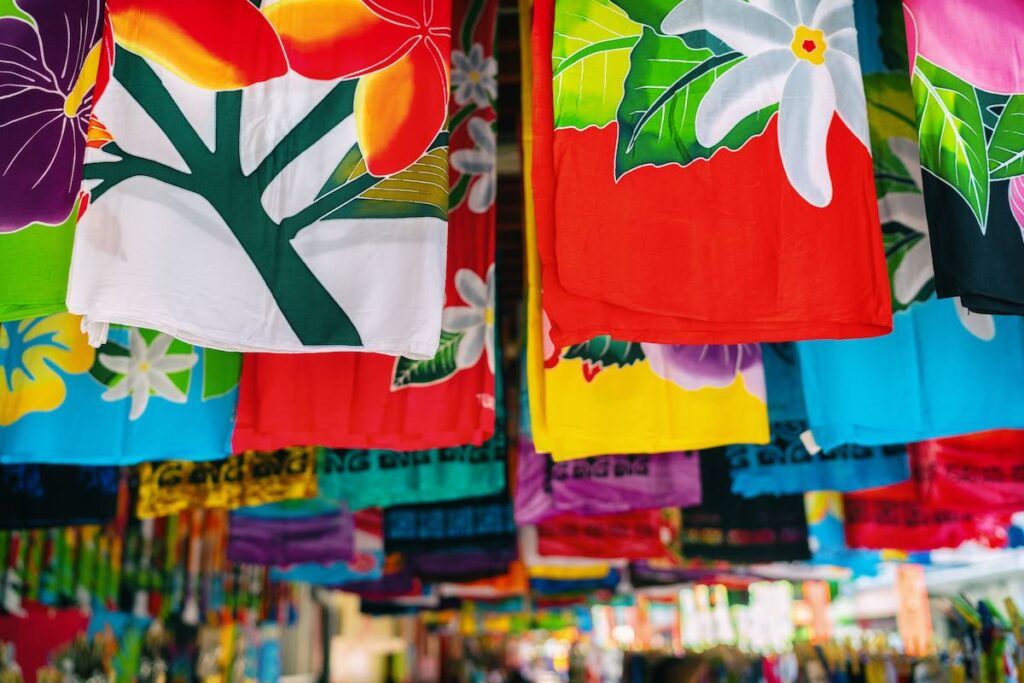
724	98
50	53
287	163
970	121
410	404
123	403
915	383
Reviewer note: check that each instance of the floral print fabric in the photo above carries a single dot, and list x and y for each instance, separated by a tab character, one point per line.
50	51
63	401
286	163
944	370
651	119
371	401
970	107
610	396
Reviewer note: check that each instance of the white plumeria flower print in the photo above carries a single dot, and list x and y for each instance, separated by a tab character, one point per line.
480	162
145	370
916	269
474	77
801	54
476	320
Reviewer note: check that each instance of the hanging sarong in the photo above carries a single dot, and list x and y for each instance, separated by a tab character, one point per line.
141	396
36	496
746	530
604	484
266	178
608	396
943	371
371	401
50	51
245	480
967	61
702	172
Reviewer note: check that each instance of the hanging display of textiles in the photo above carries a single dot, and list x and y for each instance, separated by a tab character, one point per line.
897	517
57	495
62	401
825	526
943	371
975	194
788	466
633	535
465	564
379	478
607	396
371	401
793	462
291	532
602	485
269	154
977	472
633	101
244	480
472	523
367	565
50	50
729	527
363	479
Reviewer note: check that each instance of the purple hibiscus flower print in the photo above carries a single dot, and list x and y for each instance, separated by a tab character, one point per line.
708	365
47	71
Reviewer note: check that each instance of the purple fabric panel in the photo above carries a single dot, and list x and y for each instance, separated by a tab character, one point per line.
287	541
604	484
621	483
533	502
466	565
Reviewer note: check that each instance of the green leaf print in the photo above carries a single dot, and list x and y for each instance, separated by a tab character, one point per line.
420	190
666	83
409	372
952	135
605	352
589	61
1006	149
650	12
221	370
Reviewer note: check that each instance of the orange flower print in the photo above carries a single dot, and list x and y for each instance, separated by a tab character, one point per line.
397	48
401	46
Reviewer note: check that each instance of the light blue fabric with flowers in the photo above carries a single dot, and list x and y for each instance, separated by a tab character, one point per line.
141	396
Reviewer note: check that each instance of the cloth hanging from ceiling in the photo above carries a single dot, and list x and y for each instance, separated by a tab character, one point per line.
291	532
57	495
476	523
602	484
50	50
748	530
62	401
975	197
634	535
943	371
373	401
285	163
368	564
378	478
758	102
247	479
607	396
982	471
898	517
787	465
